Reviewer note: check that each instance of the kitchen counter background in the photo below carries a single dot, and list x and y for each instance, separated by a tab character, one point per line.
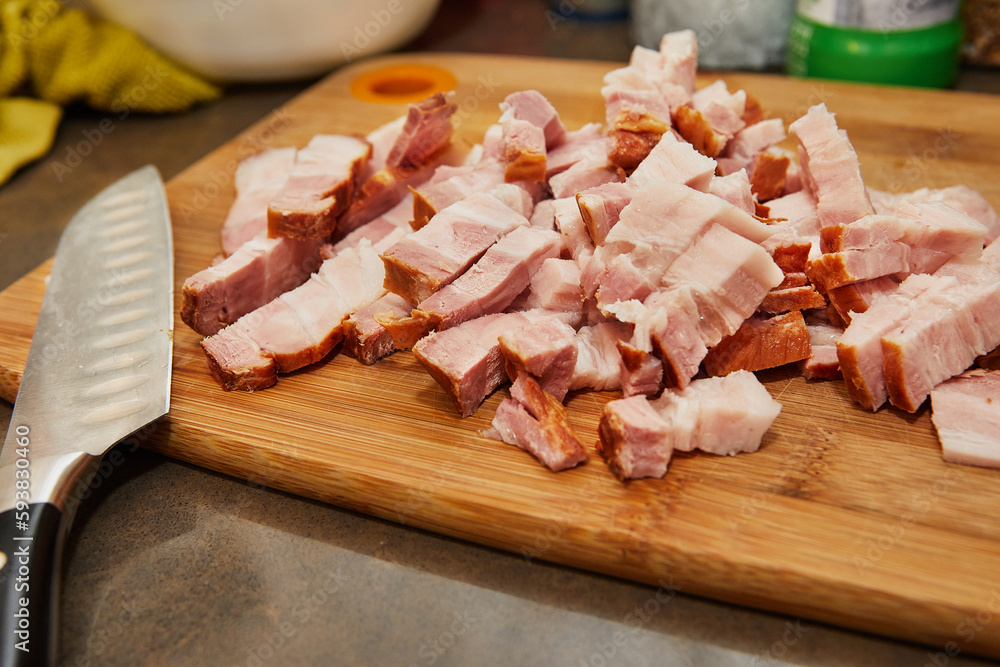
170	564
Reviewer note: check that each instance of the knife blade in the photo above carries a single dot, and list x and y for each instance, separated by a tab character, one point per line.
98	370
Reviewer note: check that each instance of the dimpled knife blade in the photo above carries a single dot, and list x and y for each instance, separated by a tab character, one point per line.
98	370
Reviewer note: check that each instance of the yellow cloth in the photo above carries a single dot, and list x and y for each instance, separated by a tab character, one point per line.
64	55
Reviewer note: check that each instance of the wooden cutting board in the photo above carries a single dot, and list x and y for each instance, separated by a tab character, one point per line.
842	516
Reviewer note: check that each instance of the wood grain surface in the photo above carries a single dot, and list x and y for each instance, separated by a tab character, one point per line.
842	516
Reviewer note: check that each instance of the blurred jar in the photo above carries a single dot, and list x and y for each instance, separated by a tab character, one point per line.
590	10
732	34
901	42
982	32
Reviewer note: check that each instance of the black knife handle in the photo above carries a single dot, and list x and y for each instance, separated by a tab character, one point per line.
30	539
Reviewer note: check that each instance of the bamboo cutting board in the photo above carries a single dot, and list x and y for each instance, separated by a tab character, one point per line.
842	516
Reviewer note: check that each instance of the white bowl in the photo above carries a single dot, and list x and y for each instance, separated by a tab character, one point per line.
268	40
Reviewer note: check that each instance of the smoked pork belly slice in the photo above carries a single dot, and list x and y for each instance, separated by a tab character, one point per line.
543	216
966	413
658	225
679	55
532	106
769	175
713	118
942	336
789	251
735	189
258	179
991	256
722	415
531	126
588	142
382	139
859	349
917	238
674	161
836	269
584	175
545	350
524	150
797	213
936	234
434	255
515	197
492	283
637	110
671	322
535	421
792	279
748	143
868	232
804	297
822	363
729	276
570	223
259	271
456	184
641	372
364	337
761	343
425	133
319	187
635	441
933	232
601	207
423	142
857	297
830	167
396	218
959	197
597	357
298	328
629	148
556	286
466	360
381	193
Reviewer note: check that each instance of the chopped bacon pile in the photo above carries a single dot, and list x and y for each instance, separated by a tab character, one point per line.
666	255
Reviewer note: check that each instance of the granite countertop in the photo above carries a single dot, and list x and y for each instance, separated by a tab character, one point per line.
170	564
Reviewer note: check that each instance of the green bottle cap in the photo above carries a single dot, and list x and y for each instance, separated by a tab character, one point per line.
926	57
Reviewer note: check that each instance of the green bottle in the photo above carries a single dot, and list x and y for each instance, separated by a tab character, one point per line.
896	42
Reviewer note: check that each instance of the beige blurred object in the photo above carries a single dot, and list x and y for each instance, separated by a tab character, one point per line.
982	32
268	40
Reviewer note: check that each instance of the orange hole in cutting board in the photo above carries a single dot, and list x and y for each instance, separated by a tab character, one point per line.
402	84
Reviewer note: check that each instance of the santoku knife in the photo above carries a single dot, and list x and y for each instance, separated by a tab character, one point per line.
98	370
